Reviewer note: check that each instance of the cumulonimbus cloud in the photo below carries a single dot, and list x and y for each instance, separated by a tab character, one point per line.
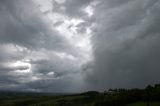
126	44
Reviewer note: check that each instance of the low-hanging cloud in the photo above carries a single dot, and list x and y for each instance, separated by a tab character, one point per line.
126	44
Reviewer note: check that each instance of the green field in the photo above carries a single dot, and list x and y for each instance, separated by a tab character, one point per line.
66	100
112	97
145	104
47	101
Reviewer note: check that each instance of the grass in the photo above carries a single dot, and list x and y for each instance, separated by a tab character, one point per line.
145	104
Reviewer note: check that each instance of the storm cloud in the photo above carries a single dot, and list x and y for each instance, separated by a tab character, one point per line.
126	44
78	45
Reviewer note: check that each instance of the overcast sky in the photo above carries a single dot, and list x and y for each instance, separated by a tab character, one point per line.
79	45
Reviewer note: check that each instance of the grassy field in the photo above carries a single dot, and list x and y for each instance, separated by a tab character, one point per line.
70	100
47	101
145	104
113	97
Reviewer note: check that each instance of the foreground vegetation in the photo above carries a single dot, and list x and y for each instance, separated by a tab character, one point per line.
144	104
112	97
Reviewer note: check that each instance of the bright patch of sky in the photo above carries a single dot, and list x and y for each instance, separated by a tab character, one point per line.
22	64
68	27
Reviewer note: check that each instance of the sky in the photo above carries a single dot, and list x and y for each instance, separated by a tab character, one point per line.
79	45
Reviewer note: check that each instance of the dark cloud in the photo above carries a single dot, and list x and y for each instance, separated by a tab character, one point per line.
45	47
23	24
126	44
73	8
28	36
